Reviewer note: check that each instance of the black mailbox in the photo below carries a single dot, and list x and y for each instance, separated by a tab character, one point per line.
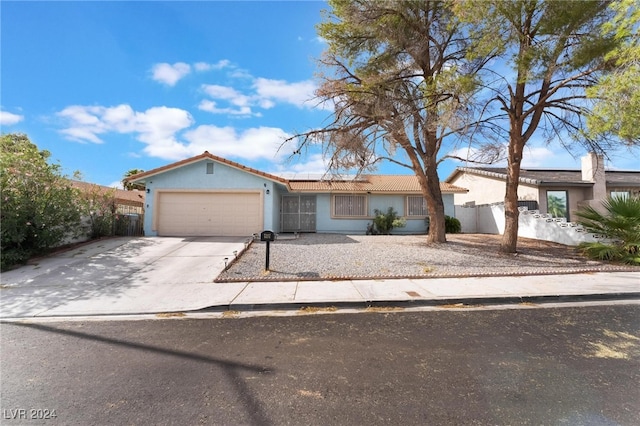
267	236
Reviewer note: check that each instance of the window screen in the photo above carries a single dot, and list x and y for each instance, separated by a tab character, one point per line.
416	206
349	205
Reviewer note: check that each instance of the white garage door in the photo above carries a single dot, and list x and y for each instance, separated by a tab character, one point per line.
208	214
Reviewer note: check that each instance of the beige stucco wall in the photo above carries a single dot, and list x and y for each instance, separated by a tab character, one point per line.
487	190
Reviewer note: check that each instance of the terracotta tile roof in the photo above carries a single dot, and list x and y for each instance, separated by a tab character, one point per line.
141	176
369	183
364	183
133	198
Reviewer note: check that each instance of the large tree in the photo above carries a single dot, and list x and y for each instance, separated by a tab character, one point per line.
39	206
400	84
617	94
552	52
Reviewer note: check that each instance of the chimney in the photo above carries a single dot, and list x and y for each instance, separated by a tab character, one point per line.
593	171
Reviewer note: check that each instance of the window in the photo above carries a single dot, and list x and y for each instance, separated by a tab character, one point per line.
620	194
350	205
209	168
416	205
557	205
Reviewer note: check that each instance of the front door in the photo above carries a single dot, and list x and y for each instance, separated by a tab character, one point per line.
298	213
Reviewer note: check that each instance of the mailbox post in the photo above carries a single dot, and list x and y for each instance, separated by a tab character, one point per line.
267	236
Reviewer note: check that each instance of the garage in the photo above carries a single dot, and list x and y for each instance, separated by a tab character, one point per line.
187	214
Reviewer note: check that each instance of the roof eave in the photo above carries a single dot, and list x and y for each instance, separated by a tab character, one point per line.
141	177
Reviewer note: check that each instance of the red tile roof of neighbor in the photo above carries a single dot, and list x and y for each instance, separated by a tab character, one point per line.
364	183
133	198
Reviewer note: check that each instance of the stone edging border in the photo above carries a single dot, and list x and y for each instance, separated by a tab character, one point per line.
567	271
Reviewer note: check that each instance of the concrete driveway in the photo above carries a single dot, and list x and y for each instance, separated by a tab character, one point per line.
120	275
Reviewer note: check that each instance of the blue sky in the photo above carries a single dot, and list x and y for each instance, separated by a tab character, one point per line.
112	86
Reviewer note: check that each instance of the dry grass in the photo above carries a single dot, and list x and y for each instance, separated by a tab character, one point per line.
316	309
458	306
171	315
383	309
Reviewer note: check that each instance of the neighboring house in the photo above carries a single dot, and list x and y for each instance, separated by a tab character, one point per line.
126	202
208	195
128	207
557	192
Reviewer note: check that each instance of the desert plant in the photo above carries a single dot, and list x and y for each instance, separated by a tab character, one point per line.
619	223
385	222
452	225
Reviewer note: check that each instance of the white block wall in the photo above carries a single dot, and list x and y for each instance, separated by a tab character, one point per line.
489	219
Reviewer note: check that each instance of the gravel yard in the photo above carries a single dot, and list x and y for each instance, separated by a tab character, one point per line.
337	256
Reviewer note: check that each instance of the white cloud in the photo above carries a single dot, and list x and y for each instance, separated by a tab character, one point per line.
299	94
240	73
314	166
251	144
156	127
240	103
170	74
204	66
226	93
535	156
543	157
85	123
81	134
8	118
211	106
159	129
264	93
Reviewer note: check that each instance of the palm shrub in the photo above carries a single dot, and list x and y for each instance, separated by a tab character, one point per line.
619	223
385	222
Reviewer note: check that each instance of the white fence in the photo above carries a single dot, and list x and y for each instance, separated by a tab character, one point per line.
489	219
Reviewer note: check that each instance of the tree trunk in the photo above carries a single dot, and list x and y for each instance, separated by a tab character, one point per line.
435	206
511	212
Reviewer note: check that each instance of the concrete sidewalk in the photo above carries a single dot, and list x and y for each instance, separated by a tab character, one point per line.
189	297
128	276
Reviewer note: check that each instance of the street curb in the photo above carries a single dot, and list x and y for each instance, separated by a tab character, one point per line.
451	303
448	302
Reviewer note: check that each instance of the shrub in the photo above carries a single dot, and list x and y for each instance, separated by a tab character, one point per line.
385	222
619	223
38	204
452	225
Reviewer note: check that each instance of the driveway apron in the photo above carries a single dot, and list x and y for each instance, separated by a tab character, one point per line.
128	275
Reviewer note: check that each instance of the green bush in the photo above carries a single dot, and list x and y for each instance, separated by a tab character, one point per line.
619	224
452	225
385	222
38	204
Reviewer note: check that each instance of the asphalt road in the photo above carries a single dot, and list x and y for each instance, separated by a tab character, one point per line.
571	365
